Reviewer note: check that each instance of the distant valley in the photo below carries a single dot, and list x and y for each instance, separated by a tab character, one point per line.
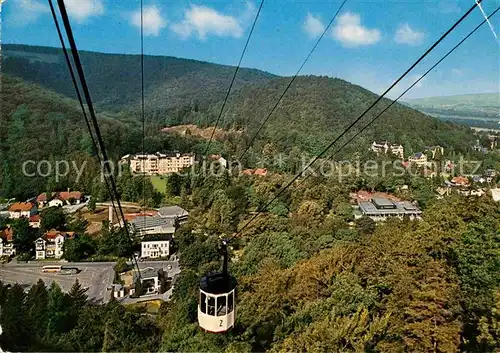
478	110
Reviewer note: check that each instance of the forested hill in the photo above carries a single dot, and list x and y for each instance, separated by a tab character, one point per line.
114	79
38	124
316	109
313	112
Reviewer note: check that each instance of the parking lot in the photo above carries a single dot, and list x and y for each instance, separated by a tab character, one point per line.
97	276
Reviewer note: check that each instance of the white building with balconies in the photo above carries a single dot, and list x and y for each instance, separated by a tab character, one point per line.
51	244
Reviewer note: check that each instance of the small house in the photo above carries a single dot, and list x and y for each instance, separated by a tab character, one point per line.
22	209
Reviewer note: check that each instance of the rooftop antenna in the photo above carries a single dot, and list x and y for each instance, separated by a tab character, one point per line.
487	20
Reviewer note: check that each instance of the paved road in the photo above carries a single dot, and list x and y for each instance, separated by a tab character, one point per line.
97	276
74	208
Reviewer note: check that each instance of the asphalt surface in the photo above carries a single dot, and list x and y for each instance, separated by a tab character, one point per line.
97	276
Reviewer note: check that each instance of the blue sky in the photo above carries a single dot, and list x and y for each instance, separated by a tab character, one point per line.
371	43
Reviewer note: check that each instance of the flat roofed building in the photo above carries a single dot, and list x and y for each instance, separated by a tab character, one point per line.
379	209
148	225
174	212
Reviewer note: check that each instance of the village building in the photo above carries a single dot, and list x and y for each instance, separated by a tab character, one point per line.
177	213
379	209
460	181
158	163
44	198
22	209
218	158
490	174
151	225
50	245
66	198
35	221
7	247
155	248
419	159
385	147
150	279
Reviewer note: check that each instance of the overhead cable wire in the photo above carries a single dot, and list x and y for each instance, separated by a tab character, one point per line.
489	23
261	209
233	78
79	97
88	99
252	140
413	85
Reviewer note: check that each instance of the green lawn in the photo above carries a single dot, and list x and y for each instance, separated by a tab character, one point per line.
159	183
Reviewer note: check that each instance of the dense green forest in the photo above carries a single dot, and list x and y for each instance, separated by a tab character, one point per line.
316	109
114	79
186	91
308	280
41	124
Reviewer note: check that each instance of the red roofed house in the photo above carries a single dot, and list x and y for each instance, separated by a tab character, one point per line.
50	245
65	198
260	172
22	209
247	172
460	181
44	198
35	221
7	242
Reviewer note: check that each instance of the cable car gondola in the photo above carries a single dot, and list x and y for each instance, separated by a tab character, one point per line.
216	304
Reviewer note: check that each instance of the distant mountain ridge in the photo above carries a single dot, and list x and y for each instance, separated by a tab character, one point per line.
180	91
114	79
472	105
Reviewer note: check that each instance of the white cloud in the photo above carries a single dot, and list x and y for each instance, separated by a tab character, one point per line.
313	26
457	72
81	10
407	35
153	22
203	21
349	31
27	11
